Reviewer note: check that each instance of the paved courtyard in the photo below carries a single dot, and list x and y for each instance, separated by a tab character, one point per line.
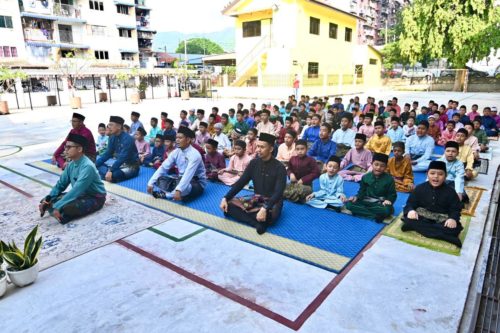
155	272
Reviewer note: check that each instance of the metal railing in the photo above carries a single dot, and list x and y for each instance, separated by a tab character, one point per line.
38	34
67	11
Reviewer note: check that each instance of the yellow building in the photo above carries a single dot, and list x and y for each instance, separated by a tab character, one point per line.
277	39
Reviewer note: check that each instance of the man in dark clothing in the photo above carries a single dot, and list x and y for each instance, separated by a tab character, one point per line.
433	208
120	161
269	180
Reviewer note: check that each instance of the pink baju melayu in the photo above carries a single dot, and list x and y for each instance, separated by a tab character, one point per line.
236	163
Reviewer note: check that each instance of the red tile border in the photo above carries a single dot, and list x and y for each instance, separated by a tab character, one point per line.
16	189
295	324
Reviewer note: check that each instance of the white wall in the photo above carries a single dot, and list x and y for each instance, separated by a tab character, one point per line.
12	37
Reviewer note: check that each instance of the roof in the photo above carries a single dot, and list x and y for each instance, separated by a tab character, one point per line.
224	59
376	50
233	3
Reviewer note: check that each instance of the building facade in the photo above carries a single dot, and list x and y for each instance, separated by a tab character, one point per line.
41	32
276	40
378	16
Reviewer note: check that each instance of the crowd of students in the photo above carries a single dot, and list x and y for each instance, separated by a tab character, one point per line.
380	145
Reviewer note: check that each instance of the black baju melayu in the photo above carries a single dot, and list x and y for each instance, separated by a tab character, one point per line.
434	205
269	181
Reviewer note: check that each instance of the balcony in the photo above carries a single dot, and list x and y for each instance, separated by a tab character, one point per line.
145	35
39	35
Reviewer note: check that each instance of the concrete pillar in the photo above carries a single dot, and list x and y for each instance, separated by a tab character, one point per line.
225	80
260	84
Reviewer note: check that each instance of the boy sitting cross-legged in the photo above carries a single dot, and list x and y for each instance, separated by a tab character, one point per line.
400	168
377	192
302	170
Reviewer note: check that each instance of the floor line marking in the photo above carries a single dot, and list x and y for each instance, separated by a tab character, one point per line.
17	189
173	238
210	285
25	176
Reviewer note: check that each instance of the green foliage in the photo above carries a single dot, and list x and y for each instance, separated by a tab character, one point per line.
122	76
8	78
142	86
199	46
391	55
459	30
229	70
20	260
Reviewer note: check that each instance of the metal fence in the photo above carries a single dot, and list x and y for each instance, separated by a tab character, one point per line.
50	90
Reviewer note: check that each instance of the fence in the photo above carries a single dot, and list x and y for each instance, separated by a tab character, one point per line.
444	80
53	90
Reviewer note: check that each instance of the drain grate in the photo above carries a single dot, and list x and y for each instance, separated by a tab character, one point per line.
488	320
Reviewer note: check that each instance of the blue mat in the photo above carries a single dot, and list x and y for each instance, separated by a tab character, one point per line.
334	232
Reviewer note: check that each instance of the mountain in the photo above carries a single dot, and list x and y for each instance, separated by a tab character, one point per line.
171	39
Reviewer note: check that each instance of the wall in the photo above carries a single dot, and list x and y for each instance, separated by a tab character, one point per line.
12	37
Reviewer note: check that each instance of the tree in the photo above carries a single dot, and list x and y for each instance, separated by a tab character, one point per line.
199	46
391	55
72	66
459	30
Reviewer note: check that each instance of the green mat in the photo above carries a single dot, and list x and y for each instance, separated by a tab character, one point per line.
411	237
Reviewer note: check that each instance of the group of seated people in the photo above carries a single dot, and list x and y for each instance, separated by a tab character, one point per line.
279	151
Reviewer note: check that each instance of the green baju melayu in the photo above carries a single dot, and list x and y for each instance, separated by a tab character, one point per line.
372	192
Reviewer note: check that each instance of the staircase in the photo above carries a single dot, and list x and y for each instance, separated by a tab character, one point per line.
248	66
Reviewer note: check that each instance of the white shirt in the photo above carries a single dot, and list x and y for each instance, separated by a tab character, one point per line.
223	141
345	137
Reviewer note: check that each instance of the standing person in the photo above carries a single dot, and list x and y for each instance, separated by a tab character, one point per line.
191	179
419	148
331	193
302	170
344	136
136	123
237	164
433	208
77	122
87	193
269	180
121	160
296	86
377	192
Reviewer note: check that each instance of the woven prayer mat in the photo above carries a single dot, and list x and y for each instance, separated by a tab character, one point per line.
414	238
475	194
484	166
116	220
320	237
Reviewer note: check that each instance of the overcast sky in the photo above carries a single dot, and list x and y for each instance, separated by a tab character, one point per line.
189	16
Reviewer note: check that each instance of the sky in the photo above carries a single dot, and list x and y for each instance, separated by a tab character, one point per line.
189	16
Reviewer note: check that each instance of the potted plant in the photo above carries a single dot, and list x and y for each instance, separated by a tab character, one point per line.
22	266
7	80
71	68
3	275
142	89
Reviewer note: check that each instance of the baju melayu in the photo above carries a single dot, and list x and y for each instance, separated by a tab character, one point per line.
372	192
481	136
446	136
269	181
153	132
402	173
344	140
466	155
311	134
236	165
135	126
304	169
121	158
201	138
396	135
156	156
330	192
243	126
379	144
87	194
434	132
251	148
434	205
223	142
213	163
265	128
368	130
191	178
355	164
322	150
285	153
101	144
455	174
90	150
420	149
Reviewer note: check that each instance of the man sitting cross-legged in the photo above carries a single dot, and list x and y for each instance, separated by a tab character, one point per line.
433	208
120	161
377	192
77	122
191	179
87	193
269	181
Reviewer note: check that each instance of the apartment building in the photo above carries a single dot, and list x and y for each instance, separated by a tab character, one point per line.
114	32
378	17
